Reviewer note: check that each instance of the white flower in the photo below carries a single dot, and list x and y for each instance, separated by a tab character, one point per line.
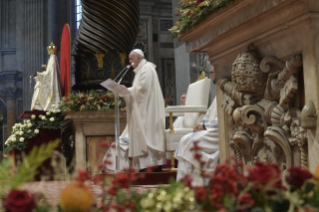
23	126
29	125
25	121
36	131
58	110
13	139
29	131
53	106
14	127
33	117
43	118
40	116
48	113
54	111
28	121
21	139
17	133
21	133
51	119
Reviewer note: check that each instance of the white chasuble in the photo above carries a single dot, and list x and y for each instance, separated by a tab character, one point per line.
209	143
48	88
144	134
146	118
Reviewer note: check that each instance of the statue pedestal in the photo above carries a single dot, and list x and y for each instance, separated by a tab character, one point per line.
278	29
91	128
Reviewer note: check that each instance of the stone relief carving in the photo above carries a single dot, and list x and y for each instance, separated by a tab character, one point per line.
266	124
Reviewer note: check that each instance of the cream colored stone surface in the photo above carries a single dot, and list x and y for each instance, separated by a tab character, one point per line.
277	28
91	123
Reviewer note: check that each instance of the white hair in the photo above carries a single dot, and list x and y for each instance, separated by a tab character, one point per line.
138	52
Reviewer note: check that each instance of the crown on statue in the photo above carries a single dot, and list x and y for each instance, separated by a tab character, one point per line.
52	49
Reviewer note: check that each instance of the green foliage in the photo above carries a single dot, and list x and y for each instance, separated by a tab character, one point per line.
32	162
4	175
5	169
191	14
91	101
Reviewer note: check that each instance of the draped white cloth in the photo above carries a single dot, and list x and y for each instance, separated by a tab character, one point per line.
208	141
143	139
178	123
48	88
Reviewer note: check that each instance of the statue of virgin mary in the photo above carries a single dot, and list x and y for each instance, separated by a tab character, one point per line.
48	89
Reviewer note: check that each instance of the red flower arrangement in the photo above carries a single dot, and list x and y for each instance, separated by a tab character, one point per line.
265	173
198	2
297	176
91	101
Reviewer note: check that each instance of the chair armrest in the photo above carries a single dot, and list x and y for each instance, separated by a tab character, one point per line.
181	110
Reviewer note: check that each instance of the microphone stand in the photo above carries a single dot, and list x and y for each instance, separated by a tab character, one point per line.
117	120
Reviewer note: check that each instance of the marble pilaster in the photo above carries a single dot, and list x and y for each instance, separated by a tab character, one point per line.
11	95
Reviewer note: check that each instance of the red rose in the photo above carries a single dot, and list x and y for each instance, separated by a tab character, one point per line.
198	2
19	201
265	173
200	193
245	201
297	176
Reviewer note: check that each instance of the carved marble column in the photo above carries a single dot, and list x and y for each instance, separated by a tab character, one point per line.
31	30
11	95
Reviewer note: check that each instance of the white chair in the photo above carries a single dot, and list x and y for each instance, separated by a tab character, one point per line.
194	110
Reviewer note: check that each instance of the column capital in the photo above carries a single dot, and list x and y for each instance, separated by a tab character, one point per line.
12	92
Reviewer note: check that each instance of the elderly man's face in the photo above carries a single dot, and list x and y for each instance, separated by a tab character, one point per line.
182	100
134	59
212	74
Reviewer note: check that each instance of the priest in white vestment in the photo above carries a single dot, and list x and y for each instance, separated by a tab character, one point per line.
207	135
178	123
143	138
48	89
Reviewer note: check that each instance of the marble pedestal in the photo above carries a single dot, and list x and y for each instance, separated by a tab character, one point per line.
88	124
277	28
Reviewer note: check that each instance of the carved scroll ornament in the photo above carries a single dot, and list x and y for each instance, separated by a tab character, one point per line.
266	124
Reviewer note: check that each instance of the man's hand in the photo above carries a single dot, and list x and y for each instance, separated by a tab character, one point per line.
124	110
198	127
113	145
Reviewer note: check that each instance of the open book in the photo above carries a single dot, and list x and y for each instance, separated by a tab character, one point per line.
115	88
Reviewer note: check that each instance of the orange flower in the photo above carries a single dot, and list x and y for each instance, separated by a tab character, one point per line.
76	197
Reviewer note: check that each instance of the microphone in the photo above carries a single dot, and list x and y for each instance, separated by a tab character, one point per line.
126	67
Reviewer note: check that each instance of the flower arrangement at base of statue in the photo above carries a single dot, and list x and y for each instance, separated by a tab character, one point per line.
192	12
30	128
91	101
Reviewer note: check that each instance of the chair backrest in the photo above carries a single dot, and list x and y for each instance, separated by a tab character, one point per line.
197	95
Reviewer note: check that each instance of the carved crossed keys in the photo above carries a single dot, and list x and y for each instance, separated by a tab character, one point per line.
261	98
